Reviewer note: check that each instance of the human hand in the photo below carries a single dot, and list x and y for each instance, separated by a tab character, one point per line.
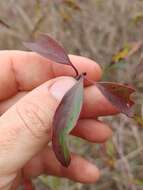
27	112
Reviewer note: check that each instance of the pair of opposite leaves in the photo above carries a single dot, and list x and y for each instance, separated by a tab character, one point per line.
69	109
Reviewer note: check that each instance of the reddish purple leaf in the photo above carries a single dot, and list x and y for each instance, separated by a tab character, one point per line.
118	95
65	120
51	49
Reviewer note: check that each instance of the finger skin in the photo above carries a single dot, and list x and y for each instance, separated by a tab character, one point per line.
46	163
6	104
92	130
23	71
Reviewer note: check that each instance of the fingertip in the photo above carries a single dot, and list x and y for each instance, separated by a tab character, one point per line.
87	65
94	72
92	130
97	71
92	173
107	133
81	170
101	132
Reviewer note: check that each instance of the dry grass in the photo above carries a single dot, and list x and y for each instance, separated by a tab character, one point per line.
96	29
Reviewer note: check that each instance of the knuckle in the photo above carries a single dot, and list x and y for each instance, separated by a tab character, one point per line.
34	118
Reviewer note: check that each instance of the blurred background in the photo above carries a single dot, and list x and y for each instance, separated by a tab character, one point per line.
111	33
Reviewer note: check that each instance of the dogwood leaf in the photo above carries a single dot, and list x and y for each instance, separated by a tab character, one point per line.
65	120
51	49
119	95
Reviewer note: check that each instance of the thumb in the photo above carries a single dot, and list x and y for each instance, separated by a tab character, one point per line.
26	127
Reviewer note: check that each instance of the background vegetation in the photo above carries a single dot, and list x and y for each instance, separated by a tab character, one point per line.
110	32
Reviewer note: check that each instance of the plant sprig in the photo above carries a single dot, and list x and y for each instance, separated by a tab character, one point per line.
69	109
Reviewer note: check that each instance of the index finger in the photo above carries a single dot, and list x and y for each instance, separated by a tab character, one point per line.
23	71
